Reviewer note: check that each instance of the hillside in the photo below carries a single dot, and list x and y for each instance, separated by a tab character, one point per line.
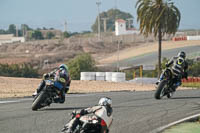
57	51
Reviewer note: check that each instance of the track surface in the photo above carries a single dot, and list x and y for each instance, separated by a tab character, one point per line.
152	58
134	112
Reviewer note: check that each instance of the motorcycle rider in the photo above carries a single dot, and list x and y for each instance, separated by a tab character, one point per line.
103	110
60	74
179	68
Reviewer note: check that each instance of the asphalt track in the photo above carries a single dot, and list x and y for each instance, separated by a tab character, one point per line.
152	58
134	112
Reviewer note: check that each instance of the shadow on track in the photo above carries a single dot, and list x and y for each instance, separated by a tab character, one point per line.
185	98
66	108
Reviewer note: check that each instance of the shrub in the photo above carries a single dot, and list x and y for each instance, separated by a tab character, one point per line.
81	63
18	70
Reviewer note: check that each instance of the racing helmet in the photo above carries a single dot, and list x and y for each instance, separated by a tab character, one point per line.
182	54
64	67
105	101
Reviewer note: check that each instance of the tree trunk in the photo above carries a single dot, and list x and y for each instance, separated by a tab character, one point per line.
159	51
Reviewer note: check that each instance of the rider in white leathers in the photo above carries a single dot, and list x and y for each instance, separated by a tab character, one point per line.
103	110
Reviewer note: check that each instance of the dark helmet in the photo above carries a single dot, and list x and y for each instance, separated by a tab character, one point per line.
182	54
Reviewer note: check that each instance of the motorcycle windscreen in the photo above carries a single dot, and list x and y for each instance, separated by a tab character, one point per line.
58	85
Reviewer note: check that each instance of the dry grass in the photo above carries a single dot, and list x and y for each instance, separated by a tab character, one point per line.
20	87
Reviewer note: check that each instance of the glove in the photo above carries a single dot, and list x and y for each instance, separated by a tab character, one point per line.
45	76
82	112
167	65
73	114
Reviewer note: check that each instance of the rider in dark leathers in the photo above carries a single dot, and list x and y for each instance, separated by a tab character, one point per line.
179	68
61	75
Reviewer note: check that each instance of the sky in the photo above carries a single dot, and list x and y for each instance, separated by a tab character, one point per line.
80	14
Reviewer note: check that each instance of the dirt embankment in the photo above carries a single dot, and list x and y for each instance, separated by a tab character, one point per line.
20	87
55	51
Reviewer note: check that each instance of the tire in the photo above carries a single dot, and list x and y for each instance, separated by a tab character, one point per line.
37	102
159	91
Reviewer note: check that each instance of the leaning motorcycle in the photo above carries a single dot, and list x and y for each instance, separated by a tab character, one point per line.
51	90
89	123
166	85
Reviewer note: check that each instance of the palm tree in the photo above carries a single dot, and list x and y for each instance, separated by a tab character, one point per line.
159	17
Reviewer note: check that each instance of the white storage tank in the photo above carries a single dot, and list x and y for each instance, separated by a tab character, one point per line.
193	37
118	77
88	75
100	76
109	76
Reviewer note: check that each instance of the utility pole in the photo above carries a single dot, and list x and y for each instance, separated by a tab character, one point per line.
105	24
16	31
23	30
65	26
99	28
118	47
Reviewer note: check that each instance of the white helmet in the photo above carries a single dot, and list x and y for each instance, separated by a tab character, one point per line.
105	101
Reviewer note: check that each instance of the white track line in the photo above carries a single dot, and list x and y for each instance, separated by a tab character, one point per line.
158	130
29	99
16	101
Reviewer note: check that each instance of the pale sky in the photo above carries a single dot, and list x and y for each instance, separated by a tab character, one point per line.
80	14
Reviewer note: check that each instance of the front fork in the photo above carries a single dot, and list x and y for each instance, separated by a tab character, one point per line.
161	77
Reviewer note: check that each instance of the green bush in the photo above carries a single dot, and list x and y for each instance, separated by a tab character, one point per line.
50	35
194	69
18	70
81	63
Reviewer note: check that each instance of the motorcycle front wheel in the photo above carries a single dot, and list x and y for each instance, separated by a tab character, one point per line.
37	103
160	92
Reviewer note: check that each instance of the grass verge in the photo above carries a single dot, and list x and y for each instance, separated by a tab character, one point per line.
193	85
188	127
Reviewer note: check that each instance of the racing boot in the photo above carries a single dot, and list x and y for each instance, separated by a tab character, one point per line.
73	125
176	85
60	98
66	89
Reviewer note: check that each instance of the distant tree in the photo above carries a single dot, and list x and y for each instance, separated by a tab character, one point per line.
3	31
66	34
111	16
12	29
38	29
25	27
158	17
37	35
50	35
44	28
86	32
